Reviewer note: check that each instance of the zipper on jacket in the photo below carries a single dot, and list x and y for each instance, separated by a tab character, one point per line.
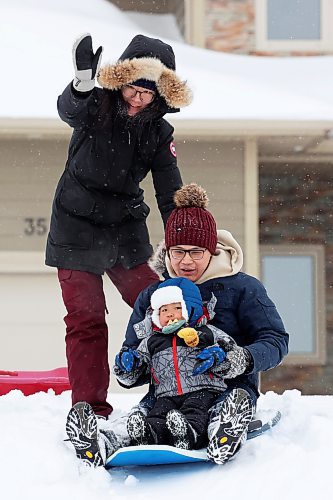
175	363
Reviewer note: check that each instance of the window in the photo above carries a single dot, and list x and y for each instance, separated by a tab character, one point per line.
294	278
294	25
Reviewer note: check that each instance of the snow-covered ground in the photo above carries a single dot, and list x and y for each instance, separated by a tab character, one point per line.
291	462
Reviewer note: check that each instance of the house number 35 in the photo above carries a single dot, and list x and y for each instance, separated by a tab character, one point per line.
35	226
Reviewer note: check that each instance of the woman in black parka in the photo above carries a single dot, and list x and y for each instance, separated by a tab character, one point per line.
98	221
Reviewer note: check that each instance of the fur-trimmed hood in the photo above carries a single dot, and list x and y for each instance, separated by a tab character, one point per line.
150	59
227	261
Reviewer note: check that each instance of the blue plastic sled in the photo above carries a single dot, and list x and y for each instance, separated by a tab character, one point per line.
156	454
164	454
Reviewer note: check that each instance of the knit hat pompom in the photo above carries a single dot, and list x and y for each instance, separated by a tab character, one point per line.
190	223
191	195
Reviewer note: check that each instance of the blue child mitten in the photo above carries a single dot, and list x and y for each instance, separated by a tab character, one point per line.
128	359
207	358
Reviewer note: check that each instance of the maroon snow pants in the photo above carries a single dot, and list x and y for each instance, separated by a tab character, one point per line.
86	328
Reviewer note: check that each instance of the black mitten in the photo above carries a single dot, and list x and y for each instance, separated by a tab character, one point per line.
86	63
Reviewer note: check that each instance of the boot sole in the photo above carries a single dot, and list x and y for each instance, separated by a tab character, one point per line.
137	428
236	414
178	428
81	428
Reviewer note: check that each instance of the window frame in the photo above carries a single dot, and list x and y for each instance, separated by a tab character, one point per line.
317	252
325	44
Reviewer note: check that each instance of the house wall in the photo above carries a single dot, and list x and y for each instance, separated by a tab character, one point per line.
151	6
296	205
229	26
238	26
31	321
219	168
29	169
174	7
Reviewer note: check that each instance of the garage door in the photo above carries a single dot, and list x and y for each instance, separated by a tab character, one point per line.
31	310
31	320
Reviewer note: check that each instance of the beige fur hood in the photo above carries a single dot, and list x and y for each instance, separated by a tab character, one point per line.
149	59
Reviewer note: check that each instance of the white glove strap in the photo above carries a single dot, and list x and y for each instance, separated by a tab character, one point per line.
82	81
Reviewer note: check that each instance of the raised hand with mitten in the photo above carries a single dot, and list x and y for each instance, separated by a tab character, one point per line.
86	63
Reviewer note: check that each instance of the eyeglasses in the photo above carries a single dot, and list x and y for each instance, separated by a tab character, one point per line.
129	92
179	253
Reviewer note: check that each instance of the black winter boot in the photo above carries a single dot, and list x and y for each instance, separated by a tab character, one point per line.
228	426
182	434
91	445
139	429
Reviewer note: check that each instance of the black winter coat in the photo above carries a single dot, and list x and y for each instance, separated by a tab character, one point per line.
98	213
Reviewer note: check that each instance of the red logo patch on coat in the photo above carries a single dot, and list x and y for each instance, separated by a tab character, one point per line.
173	149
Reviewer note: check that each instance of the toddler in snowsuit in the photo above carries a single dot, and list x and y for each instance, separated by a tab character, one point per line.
177	334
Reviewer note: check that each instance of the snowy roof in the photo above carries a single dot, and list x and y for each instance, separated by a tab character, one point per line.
36	38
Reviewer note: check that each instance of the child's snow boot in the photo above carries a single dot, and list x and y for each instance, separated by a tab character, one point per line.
182	434
139	429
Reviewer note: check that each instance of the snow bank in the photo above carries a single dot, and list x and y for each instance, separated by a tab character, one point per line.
291	461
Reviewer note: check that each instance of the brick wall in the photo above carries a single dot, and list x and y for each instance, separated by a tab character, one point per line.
296	206
230	27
